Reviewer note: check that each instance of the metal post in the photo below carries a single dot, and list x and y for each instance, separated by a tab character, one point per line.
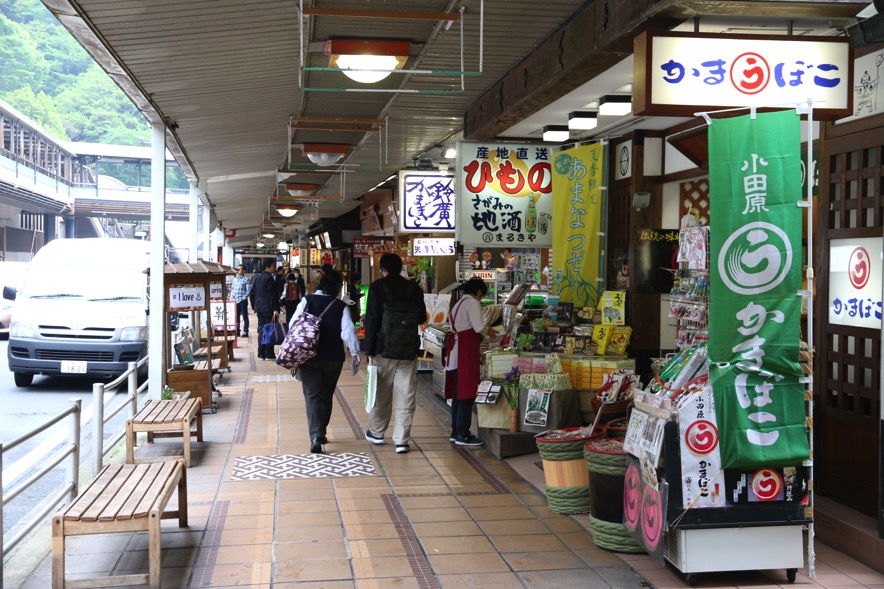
2	553
132	383
157	259
73	469
98	426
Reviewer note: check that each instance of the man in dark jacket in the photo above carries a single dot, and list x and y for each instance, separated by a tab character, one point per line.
397	378
265	302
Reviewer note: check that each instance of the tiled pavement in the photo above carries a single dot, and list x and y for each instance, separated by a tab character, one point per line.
264	513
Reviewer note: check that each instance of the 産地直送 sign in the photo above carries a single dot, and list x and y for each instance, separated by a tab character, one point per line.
505	195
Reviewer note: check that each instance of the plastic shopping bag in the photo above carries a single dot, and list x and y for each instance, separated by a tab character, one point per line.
371	386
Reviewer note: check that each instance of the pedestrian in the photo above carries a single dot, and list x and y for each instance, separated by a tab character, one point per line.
302	287
279	281
462	367
355	294
240	290
265	302
292	296
394	310
319	375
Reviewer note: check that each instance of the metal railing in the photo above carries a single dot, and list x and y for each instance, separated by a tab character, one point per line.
54	457
103	415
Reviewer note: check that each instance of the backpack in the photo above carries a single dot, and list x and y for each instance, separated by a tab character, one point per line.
291	290
399	325
302	340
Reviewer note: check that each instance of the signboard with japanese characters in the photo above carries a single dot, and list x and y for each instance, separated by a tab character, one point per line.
680	73
432	246
855	282
505	194
426	202
364	246
702	480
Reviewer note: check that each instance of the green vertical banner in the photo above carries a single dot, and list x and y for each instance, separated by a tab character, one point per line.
755	312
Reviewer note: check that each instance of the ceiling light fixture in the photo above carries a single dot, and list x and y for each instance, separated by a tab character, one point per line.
287	210
260	244
267	235
615	105
556	133
367	61
450	153
324	154
583	121
301	189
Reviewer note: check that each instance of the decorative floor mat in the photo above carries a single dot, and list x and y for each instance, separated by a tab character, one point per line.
302	466
272	378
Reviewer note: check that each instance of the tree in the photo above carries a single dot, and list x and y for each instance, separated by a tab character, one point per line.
39	108
22	64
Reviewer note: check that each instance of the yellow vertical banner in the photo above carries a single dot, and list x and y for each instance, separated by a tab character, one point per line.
578	210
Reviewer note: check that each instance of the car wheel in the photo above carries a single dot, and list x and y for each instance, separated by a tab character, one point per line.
23	380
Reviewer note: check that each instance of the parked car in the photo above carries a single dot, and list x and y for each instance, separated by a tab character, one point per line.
12	274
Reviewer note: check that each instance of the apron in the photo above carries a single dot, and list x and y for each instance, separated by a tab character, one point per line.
468	342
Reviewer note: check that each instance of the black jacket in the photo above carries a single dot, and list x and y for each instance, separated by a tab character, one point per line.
374	309
264	297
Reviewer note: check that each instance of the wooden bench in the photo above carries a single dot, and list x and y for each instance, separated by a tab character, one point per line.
166	419
122	498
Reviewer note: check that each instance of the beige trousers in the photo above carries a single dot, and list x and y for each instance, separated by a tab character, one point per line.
397	387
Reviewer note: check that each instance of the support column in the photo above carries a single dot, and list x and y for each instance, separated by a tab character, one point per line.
192	220
157	324
48	228
206	233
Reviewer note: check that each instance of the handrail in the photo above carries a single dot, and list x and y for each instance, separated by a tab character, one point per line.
101	417
71	451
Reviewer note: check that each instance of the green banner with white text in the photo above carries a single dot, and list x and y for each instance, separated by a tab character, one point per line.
755	312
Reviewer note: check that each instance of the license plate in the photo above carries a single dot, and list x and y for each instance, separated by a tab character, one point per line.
73	367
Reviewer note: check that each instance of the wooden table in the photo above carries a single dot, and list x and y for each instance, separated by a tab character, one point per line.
122	498
166	419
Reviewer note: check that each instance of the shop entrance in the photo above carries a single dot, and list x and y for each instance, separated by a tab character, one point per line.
848	376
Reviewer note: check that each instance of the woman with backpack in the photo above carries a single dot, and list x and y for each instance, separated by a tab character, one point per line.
291	295
319	375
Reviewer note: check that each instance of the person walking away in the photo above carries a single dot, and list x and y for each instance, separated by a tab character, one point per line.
319	375
265	302
462	368
302	286
279	281
240	290
394	310
355	294
292	296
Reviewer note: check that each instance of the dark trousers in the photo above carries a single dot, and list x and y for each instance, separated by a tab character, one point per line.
319	379
242	312
264	351
290	308
461	413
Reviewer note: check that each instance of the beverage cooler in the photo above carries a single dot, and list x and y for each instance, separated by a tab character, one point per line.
491	279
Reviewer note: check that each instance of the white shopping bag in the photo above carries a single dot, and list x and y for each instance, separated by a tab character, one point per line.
371	386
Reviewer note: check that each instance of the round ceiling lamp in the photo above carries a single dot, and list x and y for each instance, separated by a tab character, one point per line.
287	211
324	159
366	60
324	154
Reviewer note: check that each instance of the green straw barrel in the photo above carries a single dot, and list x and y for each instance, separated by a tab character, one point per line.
606	463
564	470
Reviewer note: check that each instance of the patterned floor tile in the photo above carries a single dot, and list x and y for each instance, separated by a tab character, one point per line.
302	466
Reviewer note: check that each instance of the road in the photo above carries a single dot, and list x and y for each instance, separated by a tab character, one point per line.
22	410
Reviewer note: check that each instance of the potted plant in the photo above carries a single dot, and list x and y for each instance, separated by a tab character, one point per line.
510	389
168	393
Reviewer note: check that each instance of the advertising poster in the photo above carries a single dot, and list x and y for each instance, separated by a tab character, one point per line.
505	193
579	208
855	282
755	314
702	479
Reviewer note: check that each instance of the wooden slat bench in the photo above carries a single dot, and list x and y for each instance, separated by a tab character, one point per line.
122	498
166	419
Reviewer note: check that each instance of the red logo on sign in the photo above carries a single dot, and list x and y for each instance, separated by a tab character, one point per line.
750	73
767	484
859	268
701	437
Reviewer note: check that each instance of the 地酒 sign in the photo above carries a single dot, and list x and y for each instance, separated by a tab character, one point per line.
187	297
680	73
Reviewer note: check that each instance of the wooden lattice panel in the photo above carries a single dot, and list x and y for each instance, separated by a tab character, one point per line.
694	194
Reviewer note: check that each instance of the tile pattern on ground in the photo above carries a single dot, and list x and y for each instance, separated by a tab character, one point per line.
302	466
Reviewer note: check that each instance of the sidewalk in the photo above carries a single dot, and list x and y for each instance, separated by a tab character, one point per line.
266	513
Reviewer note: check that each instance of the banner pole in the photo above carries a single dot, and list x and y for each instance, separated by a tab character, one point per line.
811	554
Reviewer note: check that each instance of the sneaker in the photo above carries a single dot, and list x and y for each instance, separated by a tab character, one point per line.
470	441
452	436
370	437
402	448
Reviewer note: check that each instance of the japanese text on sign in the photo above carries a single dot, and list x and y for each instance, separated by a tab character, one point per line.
427	201
428	246
505	191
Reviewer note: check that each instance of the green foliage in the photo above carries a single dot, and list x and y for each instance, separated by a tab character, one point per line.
22	64
39	108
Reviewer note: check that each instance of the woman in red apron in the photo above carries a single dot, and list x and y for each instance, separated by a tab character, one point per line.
462	365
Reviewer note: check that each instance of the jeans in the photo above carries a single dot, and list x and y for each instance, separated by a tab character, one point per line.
461	413
242	312
264	351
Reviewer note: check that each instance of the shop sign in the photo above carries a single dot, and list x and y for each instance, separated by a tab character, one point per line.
674	72
426	202
483	275
754	172
505	194
187	297
217	310
702	480
868	92
855	282
577	209
364	246
216	291
432	246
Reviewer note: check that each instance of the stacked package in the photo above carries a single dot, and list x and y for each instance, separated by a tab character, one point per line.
555	382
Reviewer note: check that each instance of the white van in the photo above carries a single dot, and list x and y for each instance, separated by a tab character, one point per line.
81	311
